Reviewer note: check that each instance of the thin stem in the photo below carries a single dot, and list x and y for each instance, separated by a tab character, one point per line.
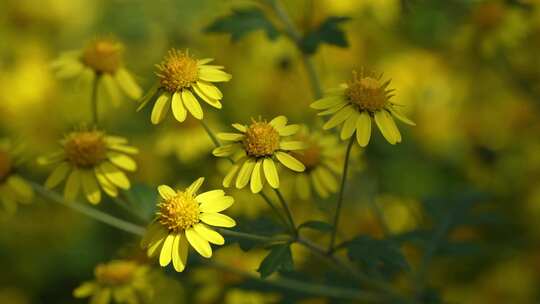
124	204
89	211
305	287
94	99
294	34
287	211
341	193
274	208
253	237
211	134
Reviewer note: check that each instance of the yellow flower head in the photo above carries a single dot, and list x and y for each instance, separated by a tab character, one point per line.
91	159
101	60
184	218
182	79
124	281
354	104
13	188
322	160
254	150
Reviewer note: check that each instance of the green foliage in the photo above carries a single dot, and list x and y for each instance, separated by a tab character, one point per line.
375	253
316	225
327	32
279	259
242	22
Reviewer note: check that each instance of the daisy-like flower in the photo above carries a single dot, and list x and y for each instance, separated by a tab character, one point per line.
254	151
182	79
123	281
184	218
13	188
91	160
354	105
102	58
322	158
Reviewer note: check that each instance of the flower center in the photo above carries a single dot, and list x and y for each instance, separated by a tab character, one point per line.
261	139
5	165
85	149
115	272
311	156
179	213
177	71
488	15
367	92
103	55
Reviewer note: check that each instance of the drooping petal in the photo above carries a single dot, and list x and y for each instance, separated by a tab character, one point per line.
256	184
73	184
115	176
150	233
399	115
179	111
218	220
209	90
245	173
58	175
339	117
111	88
90	186
302	186
327	102
192	104
198	243
128	83
363	129
179	252
161	108
227	180
226	150
387	126
122	161
105	184
209	100
290	162
349	126
165	255
270	172
209	234
85	290
326	178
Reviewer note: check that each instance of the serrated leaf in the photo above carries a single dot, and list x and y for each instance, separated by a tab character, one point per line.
316	225
241	22
327	32
279	259
375	253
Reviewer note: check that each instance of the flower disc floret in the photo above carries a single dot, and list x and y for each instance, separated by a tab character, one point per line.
261	139
115	273
85	149
179	212
103	55
177	71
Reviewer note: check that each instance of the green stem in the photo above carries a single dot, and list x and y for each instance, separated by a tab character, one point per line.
89	211
125	205
294	34
287	211
341	193
94	99
274	208
211	134
253	237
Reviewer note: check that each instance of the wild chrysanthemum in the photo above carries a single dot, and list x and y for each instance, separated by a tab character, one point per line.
91	159
182	78
102	58
254	150
184	217
13	188
123	281
322	158
356	103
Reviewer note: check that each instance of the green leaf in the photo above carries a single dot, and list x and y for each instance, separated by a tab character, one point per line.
263	225
279	259
327	32
241	22
316	225
373	253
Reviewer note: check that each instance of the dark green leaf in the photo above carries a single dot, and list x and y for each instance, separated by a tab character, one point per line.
373	253
279	259
327	32
241	22
317	225
263	226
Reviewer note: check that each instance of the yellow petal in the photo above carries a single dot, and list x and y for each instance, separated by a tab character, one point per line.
216	204
327	102
339	117
245	173
292	145
326	178
73	185
105	184
217	219
179	252
226	150
387	126
208	196
58	175
363	129
161	108
209	234
278	122
165	255
256	184
151	231
302	186
85	290
213	75
166	192
194	187
111	88
399	115
22	189
192	104
122	161
128	84
204	61
270	172
198	243
90	186
319	186
290	162
115	176
178	109
239	127
103	296
230	136
349	127
227	180
124	149
155	245
209	100
288	130
209	90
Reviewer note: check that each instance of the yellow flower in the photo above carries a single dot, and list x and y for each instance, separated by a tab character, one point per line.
92	160
254	150
184	217
102	58
322	159
354	105
182	78
13	188
123	281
